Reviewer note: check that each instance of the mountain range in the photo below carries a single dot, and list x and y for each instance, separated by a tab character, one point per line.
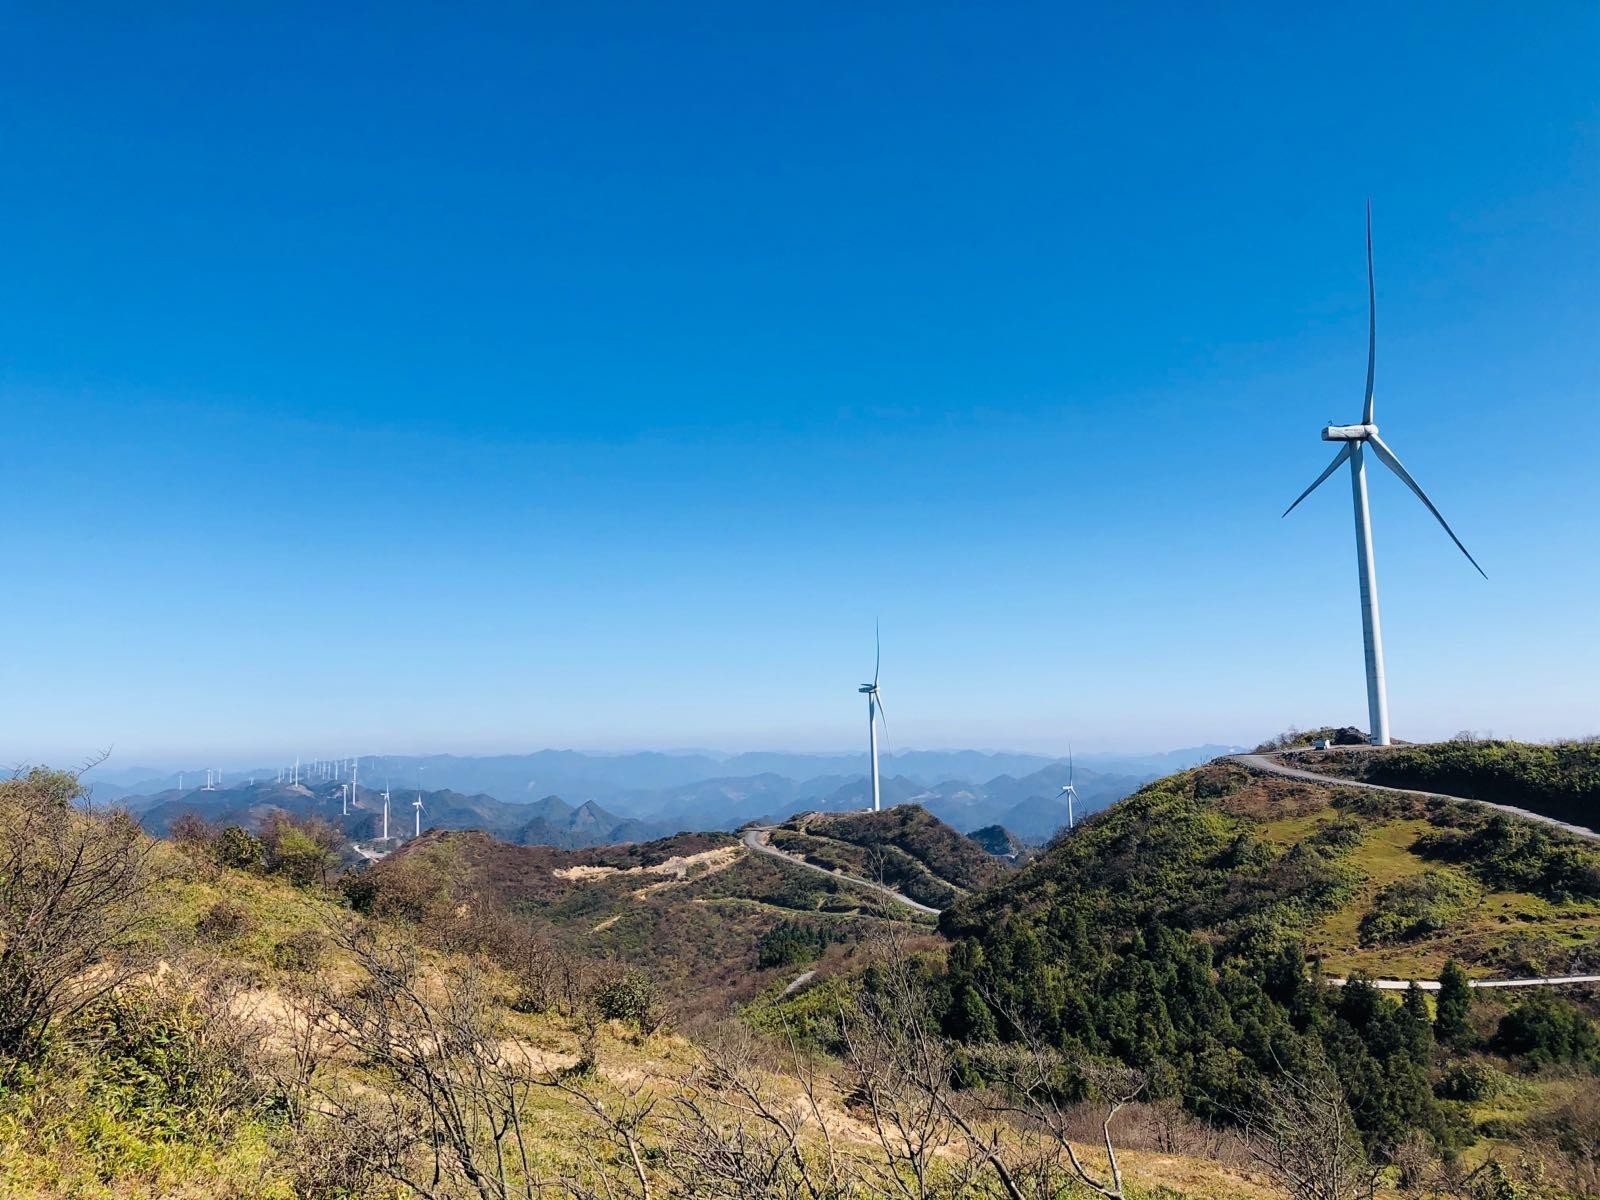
568	799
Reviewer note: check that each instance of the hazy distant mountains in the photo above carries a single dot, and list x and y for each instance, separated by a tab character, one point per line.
570	799
546	822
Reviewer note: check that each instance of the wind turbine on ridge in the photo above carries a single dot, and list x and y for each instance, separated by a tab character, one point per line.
1067	790
874	715
1355	439
417	804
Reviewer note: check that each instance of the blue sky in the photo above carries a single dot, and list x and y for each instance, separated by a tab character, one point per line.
406	379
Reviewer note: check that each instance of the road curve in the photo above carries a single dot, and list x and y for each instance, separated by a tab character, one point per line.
1267	765
756	839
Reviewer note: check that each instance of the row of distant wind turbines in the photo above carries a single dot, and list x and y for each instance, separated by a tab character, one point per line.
1353	443
333	768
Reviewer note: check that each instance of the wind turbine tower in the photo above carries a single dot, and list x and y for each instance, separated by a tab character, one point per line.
874	715
417	804
386	812
1068	791
1354	441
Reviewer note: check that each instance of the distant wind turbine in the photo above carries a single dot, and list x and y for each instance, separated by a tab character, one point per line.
1355	439
874	715
1068	791
386	810
417	804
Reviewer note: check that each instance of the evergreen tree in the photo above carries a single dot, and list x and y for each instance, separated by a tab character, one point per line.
1455	1001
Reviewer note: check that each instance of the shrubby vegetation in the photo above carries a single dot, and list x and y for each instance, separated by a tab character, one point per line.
1294	739
1545	1030
1417	906
1507	854
1558	780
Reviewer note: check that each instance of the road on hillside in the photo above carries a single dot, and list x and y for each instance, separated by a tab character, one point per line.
1432	985
756	839
1268	765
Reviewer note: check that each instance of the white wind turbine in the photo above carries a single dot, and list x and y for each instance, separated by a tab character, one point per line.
1355	439
1067	790
417	804
874	715
386	810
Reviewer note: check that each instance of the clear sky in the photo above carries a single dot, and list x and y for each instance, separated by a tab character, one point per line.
484	378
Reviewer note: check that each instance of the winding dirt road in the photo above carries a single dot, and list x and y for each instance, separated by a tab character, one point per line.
756	839
1266	764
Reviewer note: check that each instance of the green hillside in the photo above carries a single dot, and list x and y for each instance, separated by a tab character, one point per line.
1182	932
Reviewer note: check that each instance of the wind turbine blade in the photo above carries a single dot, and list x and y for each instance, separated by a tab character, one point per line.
877	653
1386	455
1338	461
1069	764
1372	324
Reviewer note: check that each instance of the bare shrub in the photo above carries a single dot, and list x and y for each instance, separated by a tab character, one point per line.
1301	1133
74	885
301	953
192	833
224	921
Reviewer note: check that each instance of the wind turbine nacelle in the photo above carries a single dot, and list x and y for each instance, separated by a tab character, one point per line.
1349	433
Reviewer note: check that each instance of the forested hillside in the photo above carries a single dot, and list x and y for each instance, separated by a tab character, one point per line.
1173	932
